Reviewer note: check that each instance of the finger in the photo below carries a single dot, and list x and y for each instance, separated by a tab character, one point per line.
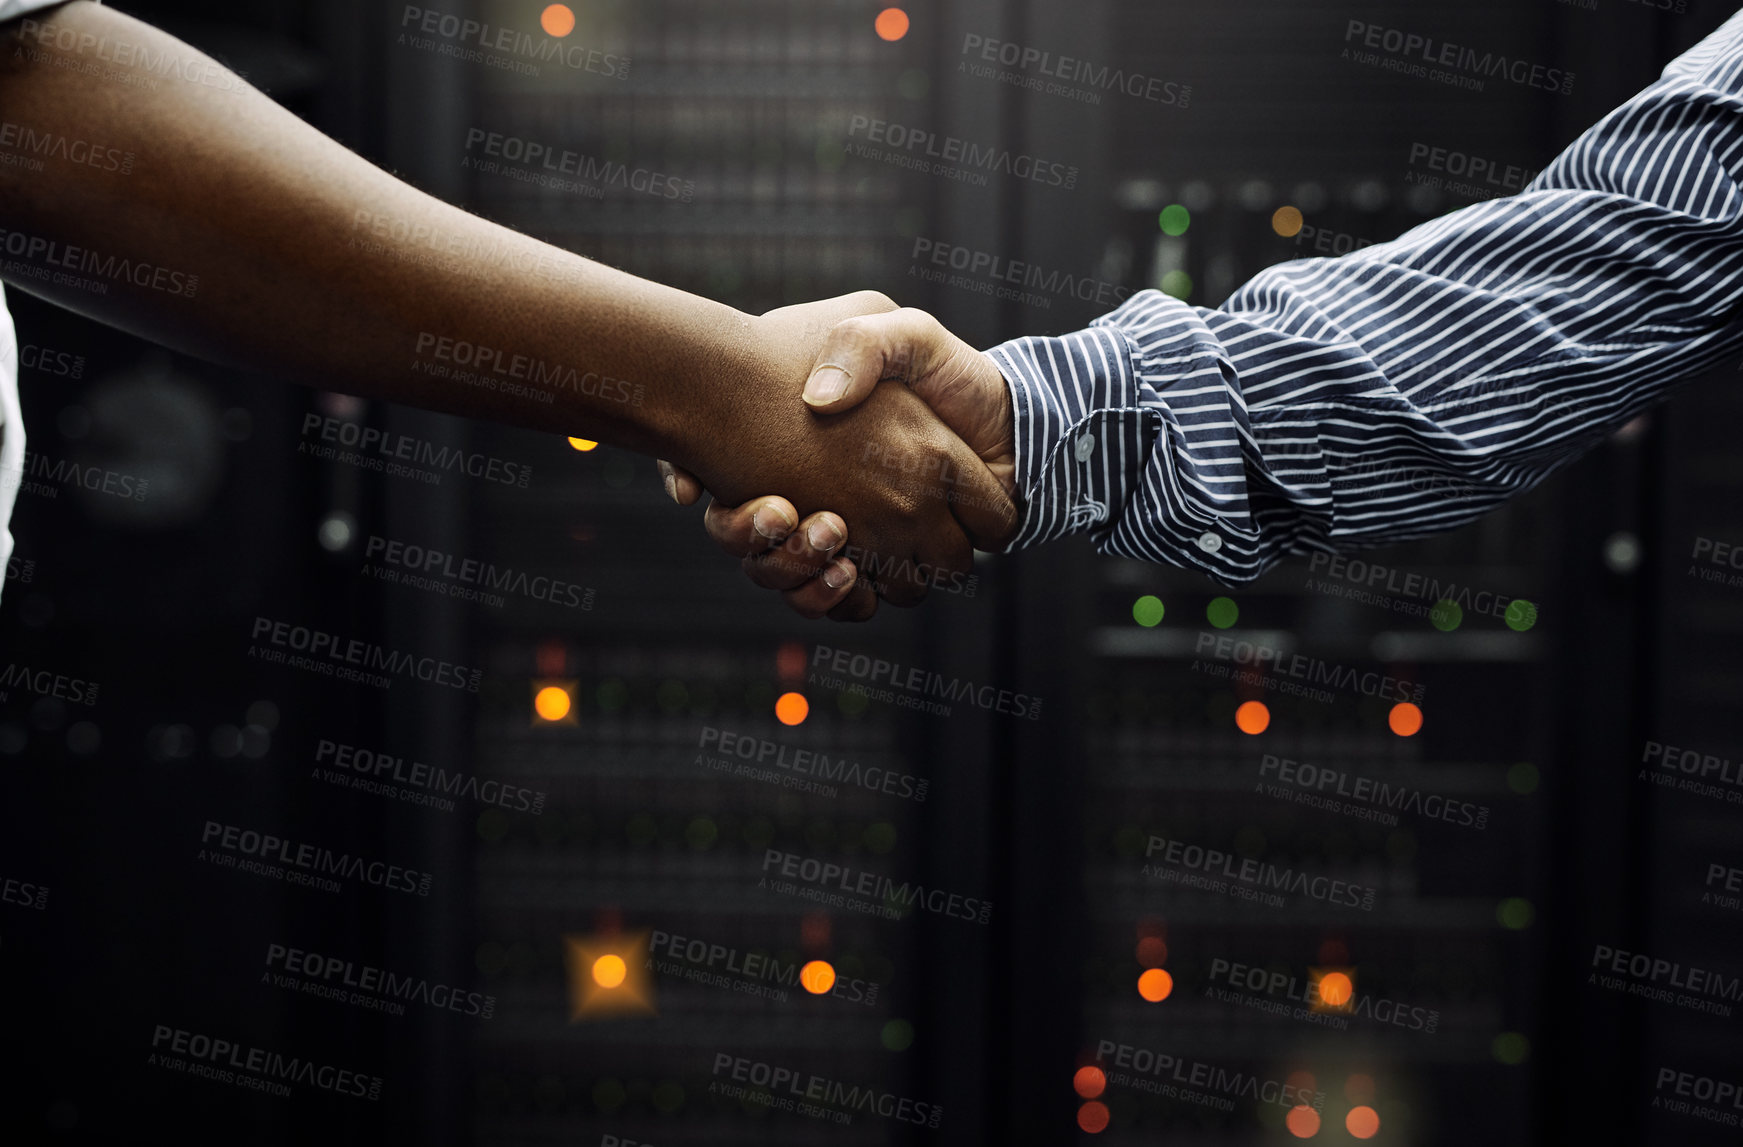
750	529
862	351
802	556
977	499
859	605
818	596
821	315
894	573
681	485
945	559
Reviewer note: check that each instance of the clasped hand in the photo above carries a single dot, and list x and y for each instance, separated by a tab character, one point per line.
915	477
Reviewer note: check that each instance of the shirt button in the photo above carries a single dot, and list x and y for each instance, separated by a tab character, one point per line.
1085	446
1210	543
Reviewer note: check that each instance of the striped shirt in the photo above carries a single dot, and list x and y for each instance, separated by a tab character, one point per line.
1408	387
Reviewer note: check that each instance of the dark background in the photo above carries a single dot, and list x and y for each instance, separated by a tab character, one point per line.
751	100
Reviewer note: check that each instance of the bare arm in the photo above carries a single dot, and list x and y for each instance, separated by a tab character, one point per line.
236	232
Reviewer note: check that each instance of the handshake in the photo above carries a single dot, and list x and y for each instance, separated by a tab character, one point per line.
856	492
905	433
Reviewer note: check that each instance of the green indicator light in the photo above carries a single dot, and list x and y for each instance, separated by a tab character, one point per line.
673	696
1521	615
1522	778
701	833
609	1095
1446	615
1174	219
492	825
880	837
1511	1048
898	1035
1128	841
1147	611
1515	913
1222	612
611	695
1177	283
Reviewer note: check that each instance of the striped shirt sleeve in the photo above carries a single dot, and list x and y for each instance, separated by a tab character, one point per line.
1408	387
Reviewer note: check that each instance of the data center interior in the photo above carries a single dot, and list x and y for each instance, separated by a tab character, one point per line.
647	837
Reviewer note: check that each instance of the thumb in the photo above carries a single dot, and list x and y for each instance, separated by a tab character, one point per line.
863	351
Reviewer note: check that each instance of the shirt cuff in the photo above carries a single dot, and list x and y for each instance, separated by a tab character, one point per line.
1132	436
1060	387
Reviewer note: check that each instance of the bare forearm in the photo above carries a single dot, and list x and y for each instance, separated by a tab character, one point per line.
238	233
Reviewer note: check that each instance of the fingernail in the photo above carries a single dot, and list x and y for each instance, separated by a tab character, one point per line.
823	535
672	487
766	518
837	575
826	384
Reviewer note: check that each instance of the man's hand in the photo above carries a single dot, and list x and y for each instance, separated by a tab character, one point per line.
918	497
809	560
